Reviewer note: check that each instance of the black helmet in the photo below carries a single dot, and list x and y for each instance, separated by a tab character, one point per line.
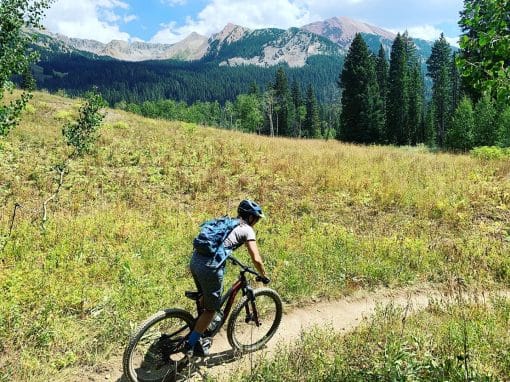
249	208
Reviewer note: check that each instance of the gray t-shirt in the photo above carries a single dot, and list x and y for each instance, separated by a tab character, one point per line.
239	235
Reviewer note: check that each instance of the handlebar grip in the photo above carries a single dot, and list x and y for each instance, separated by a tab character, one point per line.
264	280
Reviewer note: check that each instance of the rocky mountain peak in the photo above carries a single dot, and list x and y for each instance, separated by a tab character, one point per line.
343	29
230	33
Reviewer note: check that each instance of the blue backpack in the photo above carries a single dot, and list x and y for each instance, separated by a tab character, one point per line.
213	233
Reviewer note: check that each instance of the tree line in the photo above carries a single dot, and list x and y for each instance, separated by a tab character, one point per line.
377	101
385	103
204	80
278	109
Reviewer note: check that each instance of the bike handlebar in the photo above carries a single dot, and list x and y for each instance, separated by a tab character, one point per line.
248	269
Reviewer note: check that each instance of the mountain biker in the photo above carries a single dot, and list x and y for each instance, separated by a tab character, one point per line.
208	273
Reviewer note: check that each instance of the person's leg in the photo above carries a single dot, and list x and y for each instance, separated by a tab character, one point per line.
209	281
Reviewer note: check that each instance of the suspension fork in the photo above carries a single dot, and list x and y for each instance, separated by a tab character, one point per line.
251	307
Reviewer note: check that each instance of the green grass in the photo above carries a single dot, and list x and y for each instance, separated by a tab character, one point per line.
446	342
118	239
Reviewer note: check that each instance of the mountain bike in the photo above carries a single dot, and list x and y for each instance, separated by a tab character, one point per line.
155	351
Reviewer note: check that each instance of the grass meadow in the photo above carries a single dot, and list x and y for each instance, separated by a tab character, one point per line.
116	244
449	341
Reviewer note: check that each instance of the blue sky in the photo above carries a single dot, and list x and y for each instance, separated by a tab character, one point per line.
169	21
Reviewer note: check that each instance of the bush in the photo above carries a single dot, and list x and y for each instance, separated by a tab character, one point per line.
490	152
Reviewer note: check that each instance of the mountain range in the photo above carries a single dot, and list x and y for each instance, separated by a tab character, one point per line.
237	45
199	67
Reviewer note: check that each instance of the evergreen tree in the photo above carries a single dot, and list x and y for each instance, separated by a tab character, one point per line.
415	93
415	123
397	101
361	115
460	134
430	123
456	84
282	101
311	125
504	127
254	89
485	130
439	69
299	109
381	69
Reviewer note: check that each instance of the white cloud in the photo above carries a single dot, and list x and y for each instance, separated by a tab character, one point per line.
93	19
251	14
427	32
129	18
174	3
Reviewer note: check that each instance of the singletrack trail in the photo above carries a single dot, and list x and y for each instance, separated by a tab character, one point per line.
342	314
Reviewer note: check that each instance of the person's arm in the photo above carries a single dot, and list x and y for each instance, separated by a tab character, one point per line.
255	257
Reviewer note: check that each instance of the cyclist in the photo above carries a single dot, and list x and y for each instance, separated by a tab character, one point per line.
208	273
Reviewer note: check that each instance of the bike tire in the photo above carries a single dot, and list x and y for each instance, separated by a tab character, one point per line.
242	333
153	353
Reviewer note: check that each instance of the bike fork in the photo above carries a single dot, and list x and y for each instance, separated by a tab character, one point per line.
251	309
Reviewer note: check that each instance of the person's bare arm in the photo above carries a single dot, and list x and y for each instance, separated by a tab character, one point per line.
255	257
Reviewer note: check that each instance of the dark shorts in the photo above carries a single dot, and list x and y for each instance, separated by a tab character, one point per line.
208	279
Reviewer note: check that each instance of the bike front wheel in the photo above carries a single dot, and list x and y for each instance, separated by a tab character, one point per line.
254	322
154	353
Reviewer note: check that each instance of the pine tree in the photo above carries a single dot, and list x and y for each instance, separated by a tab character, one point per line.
298	107
397	101
430	123
311	125
439	69
361	116
460	134
381	69
485	130
282	103
456	84
415	125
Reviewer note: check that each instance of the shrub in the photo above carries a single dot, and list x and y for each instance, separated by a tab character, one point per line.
490	152
64	115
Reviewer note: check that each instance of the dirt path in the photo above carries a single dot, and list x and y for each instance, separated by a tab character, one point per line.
343	314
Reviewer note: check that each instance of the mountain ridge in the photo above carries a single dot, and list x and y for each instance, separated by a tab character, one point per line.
271	46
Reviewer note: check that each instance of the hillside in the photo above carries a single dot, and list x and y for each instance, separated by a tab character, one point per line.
116	246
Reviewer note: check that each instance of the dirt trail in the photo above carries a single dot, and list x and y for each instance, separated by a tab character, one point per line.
342	314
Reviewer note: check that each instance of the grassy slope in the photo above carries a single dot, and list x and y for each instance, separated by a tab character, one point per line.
117	243
447	342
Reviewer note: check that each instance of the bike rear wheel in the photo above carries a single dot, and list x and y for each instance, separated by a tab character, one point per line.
243	333
154	351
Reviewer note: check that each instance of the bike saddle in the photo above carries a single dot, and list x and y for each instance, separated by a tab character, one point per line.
193	295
